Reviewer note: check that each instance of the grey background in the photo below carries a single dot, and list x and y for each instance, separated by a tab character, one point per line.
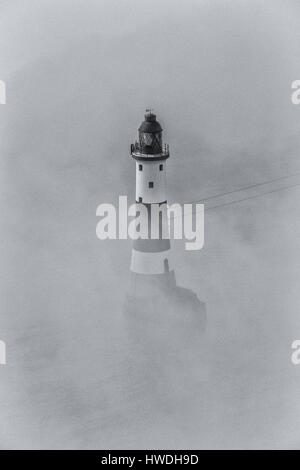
79	75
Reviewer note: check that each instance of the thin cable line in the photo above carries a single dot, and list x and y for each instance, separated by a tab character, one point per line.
253	197
255	185
242	200
243	189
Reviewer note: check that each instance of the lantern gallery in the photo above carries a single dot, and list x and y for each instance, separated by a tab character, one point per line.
152	221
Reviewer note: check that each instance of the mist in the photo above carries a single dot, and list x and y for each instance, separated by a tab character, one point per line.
207	366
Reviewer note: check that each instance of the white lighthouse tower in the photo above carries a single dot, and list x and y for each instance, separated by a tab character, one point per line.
150	154
151	256
157	310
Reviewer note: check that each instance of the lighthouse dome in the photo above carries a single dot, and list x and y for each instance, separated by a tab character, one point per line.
150	124
150	145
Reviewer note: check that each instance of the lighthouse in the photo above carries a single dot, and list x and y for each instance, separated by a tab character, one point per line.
163	320
152	276
151	256
151	155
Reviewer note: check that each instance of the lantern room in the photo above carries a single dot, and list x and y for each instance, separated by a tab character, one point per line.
149	145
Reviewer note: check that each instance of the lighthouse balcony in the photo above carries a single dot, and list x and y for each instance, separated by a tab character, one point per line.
144	152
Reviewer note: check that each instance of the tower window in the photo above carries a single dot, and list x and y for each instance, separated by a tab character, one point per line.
166	265
148	138
140	167
161	167
150	184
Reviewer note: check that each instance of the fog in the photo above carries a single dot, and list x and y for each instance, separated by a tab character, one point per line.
83	369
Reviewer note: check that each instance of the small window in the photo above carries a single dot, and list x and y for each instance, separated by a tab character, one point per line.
166	265
140	199
161	167
150	184
148	138
140	167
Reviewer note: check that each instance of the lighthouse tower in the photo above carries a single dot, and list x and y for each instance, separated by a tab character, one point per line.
158	311
150	154
151	256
